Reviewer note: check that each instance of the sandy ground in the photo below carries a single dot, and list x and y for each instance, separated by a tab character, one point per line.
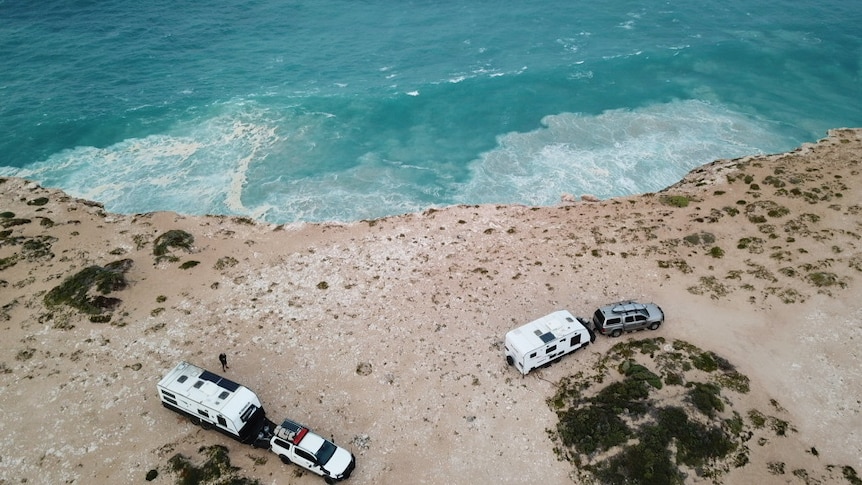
425	300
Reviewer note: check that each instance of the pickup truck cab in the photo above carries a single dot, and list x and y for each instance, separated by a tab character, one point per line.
295	443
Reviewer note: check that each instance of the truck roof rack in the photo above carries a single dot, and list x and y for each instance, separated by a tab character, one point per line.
294	436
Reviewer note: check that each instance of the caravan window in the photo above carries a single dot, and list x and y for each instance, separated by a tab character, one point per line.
198	384
203	413
221	420
550	349
532	355
576	339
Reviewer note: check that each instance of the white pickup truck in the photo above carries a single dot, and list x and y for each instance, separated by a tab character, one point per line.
294	443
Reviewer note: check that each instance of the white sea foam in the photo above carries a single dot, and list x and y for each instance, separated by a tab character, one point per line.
616	153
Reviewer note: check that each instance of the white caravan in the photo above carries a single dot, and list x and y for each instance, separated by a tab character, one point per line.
212	401
542	341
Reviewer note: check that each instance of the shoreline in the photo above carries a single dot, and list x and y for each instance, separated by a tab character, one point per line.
424	301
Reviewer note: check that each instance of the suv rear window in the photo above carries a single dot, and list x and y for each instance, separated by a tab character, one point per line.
599	317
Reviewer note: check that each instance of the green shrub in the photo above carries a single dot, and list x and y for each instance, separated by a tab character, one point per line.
225	262
673	379
216	469
823	278
704	361
174	238
635	371
675	200
696	443
591	429
648	462
706	398
700	238
75	290
12	222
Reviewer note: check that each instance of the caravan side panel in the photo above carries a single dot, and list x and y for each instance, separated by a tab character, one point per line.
213	400
545	340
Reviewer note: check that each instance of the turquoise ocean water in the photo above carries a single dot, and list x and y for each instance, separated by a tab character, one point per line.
345	110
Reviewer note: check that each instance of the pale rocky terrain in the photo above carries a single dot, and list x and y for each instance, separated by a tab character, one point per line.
387	335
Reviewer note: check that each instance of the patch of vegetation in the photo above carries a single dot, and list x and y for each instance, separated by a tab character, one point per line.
716	252
700	238
637	372
189	264
731	211
323	285
175	238
823	278
76	291
363	368
758	419
704	361
679	264
216	469
735	381
675	200
777	212
38	202
8	262
140	241
774	181
673	379
850	474
25	354
225	262
620	434
711	285
592	429
38	248
244	220
12	222
706	398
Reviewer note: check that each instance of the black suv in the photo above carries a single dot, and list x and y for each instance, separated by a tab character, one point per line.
627	316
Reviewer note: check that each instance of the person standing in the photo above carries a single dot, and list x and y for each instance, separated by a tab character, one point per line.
223	359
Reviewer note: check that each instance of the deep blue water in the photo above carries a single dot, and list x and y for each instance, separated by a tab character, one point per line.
345	110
